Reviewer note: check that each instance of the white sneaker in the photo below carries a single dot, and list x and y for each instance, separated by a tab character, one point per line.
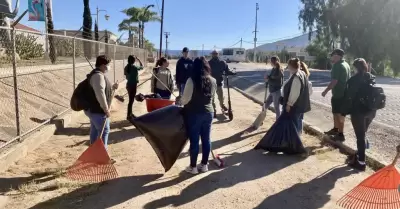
202	168
192	170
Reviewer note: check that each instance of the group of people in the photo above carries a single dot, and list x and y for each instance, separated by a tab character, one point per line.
199	80
348	92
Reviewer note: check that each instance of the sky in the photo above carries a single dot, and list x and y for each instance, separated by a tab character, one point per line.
191	23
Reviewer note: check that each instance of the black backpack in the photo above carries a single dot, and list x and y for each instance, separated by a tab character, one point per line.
79	100
372	97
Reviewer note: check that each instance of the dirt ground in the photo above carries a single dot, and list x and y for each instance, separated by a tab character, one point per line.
251	178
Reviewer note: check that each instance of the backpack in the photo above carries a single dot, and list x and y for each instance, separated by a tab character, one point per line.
79	100
372	97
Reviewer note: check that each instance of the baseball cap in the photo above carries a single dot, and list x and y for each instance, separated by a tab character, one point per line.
339	52
185	49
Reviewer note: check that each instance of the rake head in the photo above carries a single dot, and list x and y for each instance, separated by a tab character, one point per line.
379	191
93	165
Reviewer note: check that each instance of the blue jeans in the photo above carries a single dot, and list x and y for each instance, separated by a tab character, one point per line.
165	94
300	123
199	126
96	124
181	88
274	98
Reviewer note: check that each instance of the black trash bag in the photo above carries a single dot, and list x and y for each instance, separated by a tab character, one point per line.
282	137
165	130
140	97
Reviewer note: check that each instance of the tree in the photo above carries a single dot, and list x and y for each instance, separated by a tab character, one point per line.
96	37
140	16
365	28
126	25
87	29
149	46
50	30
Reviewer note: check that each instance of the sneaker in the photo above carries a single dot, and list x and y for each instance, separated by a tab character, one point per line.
357	165
192	170
202	168
333	131
339	137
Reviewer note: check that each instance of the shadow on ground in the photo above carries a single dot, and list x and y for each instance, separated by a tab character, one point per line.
310	195
110	193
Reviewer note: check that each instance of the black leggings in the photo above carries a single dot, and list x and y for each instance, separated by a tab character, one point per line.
131	93
361	124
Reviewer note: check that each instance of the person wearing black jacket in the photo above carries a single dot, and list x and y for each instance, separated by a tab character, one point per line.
183	69
219	68
275	83
361	116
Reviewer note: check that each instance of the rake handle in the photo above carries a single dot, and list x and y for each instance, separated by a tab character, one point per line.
163	84
105	120
397	155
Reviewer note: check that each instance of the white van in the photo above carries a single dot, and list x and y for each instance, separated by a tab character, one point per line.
233	55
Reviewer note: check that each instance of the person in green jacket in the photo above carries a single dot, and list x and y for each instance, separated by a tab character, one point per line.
131	72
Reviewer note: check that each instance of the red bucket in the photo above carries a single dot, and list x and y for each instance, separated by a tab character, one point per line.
155	103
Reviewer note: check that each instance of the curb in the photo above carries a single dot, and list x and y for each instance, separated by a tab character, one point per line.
19	150
315	131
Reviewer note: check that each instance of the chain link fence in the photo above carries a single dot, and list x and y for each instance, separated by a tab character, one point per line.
38	73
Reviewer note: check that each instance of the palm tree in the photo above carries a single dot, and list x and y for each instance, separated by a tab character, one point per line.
50	30
140	16
126	25
147	16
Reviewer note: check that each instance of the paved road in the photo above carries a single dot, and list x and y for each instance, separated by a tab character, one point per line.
389	116
384	133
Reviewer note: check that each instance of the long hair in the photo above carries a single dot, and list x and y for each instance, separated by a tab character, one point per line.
361	65
304	68
161	61
201	76
275	60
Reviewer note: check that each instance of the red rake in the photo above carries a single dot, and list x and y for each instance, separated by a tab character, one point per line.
379	191
93	165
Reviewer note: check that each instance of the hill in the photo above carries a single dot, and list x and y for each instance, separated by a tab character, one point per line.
296	42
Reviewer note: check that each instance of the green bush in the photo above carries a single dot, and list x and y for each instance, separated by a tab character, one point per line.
65	47
27	47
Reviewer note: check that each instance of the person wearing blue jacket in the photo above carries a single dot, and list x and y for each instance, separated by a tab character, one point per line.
183	69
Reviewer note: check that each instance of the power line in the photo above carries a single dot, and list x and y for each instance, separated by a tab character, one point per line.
158	6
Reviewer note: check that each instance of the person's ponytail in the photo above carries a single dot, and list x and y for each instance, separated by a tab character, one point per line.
304	68
275	60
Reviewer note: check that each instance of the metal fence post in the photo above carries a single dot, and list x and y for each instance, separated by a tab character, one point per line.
16	93
73	62
115	60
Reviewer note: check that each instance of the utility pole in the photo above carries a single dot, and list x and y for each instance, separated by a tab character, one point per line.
166	43
161	29
241	42
255	35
